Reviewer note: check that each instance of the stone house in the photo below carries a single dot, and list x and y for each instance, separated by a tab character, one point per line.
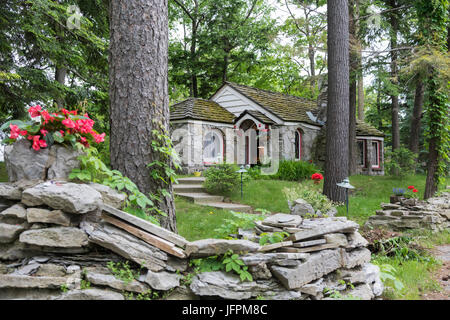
248	126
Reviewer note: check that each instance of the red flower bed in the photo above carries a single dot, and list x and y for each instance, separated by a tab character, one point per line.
45	129
317	177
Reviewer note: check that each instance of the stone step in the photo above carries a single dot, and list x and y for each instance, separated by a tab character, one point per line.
188	188
200	197
191	180
229	206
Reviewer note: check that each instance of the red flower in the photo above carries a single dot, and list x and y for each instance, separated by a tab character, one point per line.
35	111
15	131
44	132
68	123
84	142
411	187
415	190
317	176
47	117
99	137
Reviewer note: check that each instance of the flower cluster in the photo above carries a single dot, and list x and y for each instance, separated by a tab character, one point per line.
47	128
413	189
317	177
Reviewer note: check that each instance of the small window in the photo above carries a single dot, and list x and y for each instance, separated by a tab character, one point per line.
213	147
361	153
298	144
376	154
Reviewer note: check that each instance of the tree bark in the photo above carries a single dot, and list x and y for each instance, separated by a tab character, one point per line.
336	162
353	62
139	93
360	76
416	118
393	19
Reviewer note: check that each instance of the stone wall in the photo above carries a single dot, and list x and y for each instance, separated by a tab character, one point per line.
433	214
56	237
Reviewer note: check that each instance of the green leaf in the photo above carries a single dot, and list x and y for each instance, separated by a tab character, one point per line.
57	136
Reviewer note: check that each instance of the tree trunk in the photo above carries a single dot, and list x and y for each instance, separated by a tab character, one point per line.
360	76
431	186
393	19
60	77
416	118
353	62
139	93
336	162
194	81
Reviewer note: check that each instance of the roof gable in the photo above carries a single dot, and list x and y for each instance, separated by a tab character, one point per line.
200	109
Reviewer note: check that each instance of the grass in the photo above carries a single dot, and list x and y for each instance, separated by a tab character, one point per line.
195	222
416	277
370	191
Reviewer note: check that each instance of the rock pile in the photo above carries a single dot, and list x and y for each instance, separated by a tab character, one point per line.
433	214
321	259
54	243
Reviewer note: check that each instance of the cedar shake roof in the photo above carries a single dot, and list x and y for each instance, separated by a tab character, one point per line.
286	107
257	115
200	109
365	129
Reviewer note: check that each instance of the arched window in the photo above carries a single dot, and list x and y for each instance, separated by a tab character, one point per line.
213	147
298	144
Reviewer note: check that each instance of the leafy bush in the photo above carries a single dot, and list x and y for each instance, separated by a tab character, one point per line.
291	170
401	162
316	199
222	179
240	220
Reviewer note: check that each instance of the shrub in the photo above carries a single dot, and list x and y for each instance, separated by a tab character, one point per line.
316	199
222	179
295	170
400	162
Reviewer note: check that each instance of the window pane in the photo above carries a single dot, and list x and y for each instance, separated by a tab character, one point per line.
375	154
360	152
211	147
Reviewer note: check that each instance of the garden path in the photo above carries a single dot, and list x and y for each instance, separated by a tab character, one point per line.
192	189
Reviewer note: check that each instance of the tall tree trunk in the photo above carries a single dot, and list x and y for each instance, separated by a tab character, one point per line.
353	62
60	77
194	80
393	19
139	93
60	69
360	76
414	136
336	162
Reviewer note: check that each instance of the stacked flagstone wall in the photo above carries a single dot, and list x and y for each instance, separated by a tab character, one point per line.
57	239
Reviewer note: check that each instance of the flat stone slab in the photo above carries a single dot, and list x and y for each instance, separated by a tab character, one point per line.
57	237
230	286
10	232
281	220
90	294
130	247
110	196
29	282
16	211
109	280
162	280
69	197
273	246
316	266
210	247
320	227
257	258
10	191
48	216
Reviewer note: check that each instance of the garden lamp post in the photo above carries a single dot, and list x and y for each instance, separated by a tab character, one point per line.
346	184
241	171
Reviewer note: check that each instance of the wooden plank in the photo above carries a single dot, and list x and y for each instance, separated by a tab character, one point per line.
274	246
310	249
162	244
309	243
147	226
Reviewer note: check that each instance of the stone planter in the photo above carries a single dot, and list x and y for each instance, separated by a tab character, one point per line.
56	162
395	198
